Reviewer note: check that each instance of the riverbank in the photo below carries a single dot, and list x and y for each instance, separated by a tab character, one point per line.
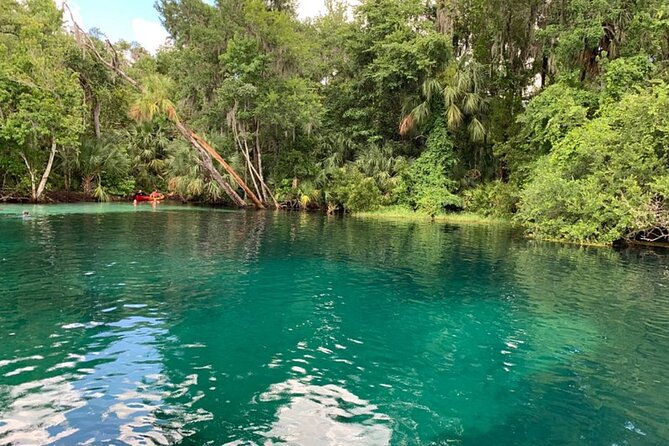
400	212
403	213
51	197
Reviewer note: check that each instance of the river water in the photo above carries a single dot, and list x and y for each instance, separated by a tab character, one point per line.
180	325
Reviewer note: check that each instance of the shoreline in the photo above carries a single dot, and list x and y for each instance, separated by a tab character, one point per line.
388	213
400	213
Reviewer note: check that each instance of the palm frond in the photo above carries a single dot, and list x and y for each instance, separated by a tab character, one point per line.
407	125
430	88
451	94
477	131
454	117
472	103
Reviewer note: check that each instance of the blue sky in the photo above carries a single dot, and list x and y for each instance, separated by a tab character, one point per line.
138	20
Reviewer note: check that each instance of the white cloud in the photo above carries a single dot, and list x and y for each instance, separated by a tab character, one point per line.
315	8
76	13
310	8
150	34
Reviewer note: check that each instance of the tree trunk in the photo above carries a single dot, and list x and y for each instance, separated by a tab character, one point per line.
247	156
96	117
31	174
253	171
544	71
206	152
87	185
208	166
201	144
243	146
258	158
47	171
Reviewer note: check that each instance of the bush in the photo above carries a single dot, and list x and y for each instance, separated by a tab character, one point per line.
349	190
296	194
425	185
622	74
603	180
121	188
548	118
495	199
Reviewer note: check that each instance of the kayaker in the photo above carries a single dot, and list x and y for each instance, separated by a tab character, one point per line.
155	195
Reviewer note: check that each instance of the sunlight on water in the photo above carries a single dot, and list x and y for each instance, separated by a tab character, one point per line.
324	415
193	326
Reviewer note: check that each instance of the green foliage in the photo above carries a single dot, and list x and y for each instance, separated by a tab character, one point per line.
598	183
494	199
351	191
41	99
380	62
546	120
425	184
551	110
102	164
121	188
299	195
621	75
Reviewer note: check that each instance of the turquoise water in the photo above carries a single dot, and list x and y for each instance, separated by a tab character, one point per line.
192	326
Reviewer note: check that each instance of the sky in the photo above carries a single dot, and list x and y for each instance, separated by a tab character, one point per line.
138	20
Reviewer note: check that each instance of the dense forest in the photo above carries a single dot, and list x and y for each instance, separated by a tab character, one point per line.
551	113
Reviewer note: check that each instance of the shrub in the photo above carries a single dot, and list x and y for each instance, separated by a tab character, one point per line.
348	189
425	185
548	118
602	181
495	199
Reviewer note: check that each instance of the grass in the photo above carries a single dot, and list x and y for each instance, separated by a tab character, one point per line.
403	213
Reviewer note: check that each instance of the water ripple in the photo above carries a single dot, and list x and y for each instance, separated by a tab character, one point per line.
269	328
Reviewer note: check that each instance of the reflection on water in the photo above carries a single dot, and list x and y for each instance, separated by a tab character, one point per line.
324	416
175	325
37	409
118	391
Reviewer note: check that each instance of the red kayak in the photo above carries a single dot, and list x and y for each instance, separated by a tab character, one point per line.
148	198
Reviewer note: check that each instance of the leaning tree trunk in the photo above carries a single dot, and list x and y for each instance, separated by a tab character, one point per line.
200	144
208	166
196	142
47	171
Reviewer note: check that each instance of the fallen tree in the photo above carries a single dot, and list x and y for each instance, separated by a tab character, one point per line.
204	150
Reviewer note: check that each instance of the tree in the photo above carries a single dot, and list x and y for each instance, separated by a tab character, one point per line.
458	93
604	180
42	113
151	100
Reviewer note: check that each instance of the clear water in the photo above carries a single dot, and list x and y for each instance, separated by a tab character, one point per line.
176	325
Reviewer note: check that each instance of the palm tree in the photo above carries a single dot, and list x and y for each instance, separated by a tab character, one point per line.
147	146
98	158
381	164
459	87
152	99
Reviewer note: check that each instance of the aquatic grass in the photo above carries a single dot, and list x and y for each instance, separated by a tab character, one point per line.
402	212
